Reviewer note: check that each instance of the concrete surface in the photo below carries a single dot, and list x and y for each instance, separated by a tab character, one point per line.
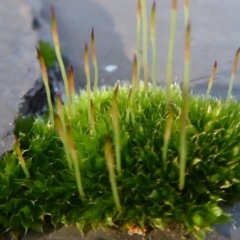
18	65
215	36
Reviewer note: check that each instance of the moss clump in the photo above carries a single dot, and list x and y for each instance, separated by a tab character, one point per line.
135	158
147	184
48	53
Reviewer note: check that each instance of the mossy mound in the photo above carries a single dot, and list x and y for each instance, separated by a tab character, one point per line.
148	185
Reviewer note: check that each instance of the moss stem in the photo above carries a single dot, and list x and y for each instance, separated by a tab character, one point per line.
170	49
139	17
154	47
60	60
75	163
46	84
186	12
112	177
184	110
62	130
145	43
92	120
234	71
168	132
94	58
211	80
20	158
116	129
87	72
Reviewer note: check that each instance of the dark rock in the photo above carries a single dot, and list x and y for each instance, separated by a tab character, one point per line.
34	102
35	24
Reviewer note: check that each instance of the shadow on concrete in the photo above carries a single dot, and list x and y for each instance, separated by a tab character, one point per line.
229	231
75	29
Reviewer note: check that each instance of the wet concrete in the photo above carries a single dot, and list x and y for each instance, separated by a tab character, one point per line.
215	36
18	65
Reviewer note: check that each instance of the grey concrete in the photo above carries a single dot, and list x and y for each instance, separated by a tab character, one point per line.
215	36
18	65
229	231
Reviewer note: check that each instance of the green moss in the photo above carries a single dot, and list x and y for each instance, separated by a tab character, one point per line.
147	185
144	186
48	53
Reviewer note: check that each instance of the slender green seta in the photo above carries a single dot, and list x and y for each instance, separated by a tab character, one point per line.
87	72
62	131
92	119
112	177
187	51
71	82
72	90
139	17
129	111
129	103
145	43
186	12
234	70
184	110
134	72
46	84
211	80
168	132
75	163
20	158
170	49
154	46
132	89
94	58
116	129
59	58
183	143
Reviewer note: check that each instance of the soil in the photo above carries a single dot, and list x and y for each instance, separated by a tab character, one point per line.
73	233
